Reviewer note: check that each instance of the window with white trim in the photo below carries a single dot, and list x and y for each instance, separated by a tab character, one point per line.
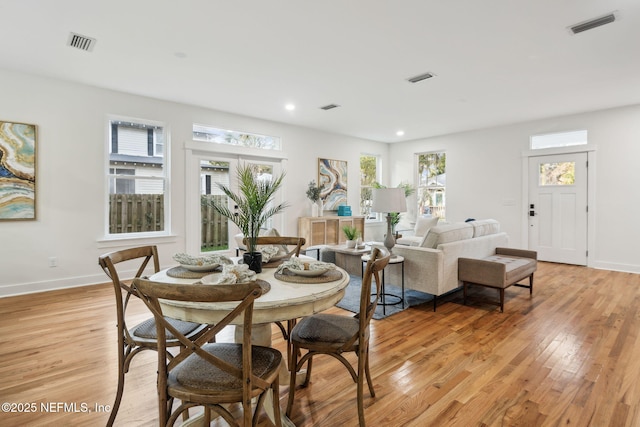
369	177
431	184
137	177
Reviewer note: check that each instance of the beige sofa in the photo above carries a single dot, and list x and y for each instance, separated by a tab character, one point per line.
432	267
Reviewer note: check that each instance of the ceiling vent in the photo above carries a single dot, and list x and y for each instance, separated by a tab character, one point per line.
81	42
421	77
589	25
329	107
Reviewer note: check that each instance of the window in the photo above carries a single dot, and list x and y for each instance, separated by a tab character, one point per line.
137	177
563	173
231	137
431	184
368	179
562	139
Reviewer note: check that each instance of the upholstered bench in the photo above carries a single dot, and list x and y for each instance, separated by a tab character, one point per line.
506	268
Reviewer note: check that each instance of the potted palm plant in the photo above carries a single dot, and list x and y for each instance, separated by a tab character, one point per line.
351	233
252	209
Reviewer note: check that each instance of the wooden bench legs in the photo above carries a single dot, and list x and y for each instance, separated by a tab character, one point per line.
500	291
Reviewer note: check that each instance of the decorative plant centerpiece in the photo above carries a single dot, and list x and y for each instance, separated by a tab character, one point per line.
313	194
253	210
352	234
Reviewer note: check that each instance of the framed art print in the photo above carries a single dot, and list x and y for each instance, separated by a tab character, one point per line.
332	179
17	171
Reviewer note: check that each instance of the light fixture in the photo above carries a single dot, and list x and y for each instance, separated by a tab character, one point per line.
400	133
389	200
289	107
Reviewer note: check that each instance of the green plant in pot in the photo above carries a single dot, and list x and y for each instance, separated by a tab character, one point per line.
351	233
252	208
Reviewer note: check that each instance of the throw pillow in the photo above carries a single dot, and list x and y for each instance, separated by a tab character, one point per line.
424	224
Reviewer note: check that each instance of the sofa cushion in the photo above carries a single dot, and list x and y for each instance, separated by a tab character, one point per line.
423	225
485	227
410	240
447	233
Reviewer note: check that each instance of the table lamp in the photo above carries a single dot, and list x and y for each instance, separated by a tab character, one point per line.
389	200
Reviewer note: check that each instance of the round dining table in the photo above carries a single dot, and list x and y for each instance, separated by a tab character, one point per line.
295	297
285	300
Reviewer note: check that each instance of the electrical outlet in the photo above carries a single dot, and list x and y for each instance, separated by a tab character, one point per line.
53	261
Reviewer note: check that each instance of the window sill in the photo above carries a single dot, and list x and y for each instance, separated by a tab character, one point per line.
138	238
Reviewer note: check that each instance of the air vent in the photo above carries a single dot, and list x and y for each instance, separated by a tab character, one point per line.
421	77
589	25
329	107
81	42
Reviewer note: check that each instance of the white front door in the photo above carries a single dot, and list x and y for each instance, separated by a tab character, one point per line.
558	207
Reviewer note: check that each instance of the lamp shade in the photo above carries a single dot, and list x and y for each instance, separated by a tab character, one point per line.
389	200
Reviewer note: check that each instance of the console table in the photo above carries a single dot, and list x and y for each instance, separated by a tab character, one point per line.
327	230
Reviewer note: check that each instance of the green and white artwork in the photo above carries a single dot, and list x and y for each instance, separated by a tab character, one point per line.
17	171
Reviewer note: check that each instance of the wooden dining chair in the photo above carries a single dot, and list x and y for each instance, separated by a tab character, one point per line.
333	335
132	341
213	374
291	246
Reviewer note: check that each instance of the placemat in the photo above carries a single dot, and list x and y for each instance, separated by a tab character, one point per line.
182	273
329	276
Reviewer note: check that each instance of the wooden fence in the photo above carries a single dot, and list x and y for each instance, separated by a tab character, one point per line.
132	213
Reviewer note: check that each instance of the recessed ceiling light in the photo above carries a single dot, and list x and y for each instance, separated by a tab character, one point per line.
289	107
400	133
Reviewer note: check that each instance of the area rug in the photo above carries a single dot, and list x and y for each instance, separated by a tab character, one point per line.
351	299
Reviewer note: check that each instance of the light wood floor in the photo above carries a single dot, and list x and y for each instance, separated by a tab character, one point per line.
568	356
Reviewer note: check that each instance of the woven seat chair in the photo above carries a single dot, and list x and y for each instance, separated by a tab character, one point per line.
143	336
293	246
334	335
213	374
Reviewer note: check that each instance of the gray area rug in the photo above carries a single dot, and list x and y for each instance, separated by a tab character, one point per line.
351	300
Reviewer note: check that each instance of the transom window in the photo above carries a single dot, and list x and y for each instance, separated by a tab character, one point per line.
232	137
560	139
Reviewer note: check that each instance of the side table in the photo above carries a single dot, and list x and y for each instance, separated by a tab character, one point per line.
396	259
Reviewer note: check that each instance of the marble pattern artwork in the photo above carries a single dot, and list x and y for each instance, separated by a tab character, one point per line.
17	171
332	179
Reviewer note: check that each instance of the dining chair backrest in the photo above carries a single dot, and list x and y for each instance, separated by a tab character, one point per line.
241	298
296	242
379	259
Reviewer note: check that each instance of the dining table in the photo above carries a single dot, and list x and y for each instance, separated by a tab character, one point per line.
289	296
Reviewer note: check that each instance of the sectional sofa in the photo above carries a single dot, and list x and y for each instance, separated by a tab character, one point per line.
432	267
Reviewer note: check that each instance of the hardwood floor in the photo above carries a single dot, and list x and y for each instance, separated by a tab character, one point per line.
567	356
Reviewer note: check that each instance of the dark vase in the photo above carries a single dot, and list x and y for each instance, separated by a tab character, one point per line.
253	260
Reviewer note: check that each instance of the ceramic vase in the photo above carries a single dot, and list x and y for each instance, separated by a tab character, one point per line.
253	260
314	209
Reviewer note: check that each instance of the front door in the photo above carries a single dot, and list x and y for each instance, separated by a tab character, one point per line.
558	207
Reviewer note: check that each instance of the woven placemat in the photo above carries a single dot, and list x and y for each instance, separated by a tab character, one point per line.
329	276
182	273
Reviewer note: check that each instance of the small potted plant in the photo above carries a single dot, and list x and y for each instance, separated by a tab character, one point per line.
313	194
352	234
253	210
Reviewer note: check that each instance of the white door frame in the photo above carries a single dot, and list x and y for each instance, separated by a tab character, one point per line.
193	151
590	149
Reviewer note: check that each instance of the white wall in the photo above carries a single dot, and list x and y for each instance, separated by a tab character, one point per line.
71	124
484	178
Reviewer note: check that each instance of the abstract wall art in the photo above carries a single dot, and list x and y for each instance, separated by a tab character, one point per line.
17	171
332	179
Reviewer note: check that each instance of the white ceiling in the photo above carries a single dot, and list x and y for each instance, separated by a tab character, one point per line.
496	61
